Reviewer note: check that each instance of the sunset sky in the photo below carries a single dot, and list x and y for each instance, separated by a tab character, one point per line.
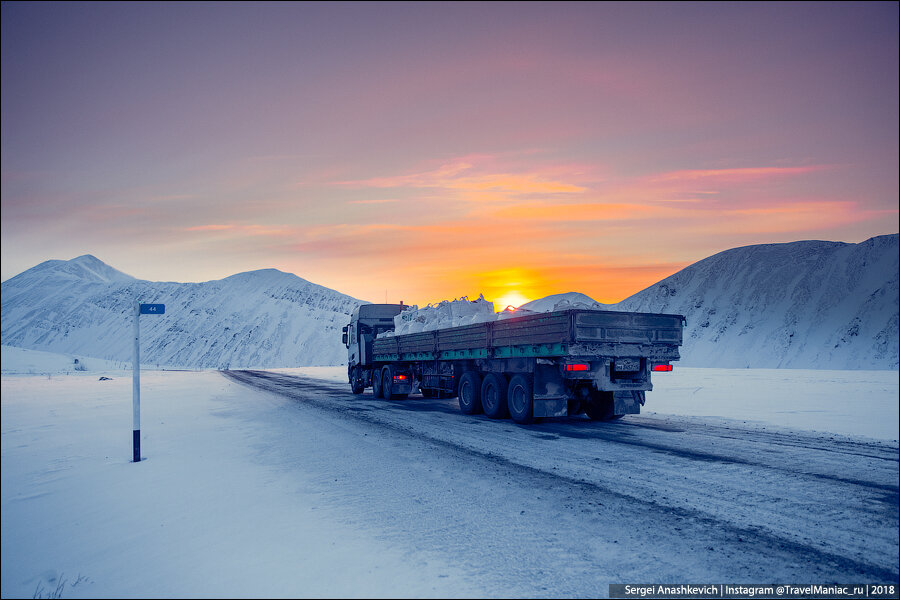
422	152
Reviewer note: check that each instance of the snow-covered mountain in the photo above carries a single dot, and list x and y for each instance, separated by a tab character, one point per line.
804	305
264	318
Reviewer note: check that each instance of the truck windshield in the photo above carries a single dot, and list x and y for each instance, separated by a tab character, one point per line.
373	330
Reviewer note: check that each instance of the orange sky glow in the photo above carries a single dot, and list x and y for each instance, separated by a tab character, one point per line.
423	152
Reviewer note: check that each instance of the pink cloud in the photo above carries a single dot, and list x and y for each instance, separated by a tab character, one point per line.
478	183
739	174
210	228
247	230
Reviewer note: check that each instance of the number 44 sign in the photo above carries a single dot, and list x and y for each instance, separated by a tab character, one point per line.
153	309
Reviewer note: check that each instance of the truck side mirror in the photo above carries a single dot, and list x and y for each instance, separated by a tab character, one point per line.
344	339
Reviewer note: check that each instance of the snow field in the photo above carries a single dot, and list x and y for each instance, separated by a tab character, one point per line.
198	517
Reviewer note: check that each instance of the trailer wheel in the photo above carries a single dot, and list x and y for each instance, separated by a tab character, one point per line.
357	385
520	399
470	393
494	396
376	383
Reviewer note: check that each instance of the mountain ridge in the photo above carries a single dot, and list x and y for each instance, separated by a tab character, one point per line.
807	304
265	318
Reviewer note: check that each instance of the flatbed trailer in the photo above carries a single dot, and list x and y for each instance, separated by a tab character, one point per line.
540	365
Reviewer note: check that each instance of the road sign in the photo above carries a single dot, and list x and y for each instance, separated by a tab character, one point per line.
153	309
141	309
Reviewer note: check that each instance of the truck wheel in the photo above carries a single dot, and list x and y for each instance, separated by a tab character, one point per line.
376	383
520	399
470	393
357	385
493	396
601	407
387	383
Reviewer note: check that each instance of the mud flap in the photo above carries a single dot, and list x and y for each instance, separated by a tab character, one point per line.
550	398
628	402
551	407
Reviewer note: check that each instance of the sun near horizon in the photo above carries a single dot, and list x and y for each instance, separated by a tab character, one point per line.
512	298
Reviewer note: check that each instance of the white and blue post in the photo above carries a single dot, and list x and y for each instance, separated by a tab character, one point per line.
136	385
139	309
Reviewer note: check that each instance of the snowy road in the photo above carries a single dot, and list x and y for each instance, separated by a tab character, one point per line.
566	507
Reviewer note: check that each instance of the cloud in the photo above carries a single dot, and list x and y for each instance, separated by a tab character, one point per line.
464	176
210	228
739	174
588	211
797	217
244	230
375	201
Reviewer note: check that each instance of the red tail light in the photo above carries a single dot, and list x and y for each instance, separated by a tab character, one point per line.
399	376
662	367
577	367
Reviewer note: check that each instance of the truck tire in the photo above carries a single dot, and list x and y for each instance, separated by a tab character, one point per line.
376	383
470	393
520	399
387	385
494	396
357	385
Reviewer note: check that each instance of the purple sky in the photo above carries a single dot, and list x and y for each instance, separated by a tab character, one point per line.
429	151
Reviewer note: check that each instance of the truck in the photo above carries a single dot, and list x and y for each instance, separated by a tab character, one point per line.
538	365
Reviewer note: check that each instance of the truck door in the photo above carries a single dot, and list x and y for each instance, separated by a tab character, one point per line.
365	338
353	346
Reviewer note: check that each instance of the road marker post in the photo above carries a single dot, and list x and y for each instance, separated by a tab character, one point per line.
139	309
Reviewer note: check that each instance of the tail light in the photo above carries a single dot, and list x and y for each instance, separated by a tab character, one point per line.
401	377
577	367
662	367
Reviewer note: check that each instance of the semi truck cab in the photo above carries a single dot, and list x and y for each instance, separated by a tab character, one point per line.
366	322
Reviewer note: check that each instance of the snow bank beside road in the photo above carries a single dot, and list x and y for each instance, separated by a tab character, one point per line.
34	362
863	403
